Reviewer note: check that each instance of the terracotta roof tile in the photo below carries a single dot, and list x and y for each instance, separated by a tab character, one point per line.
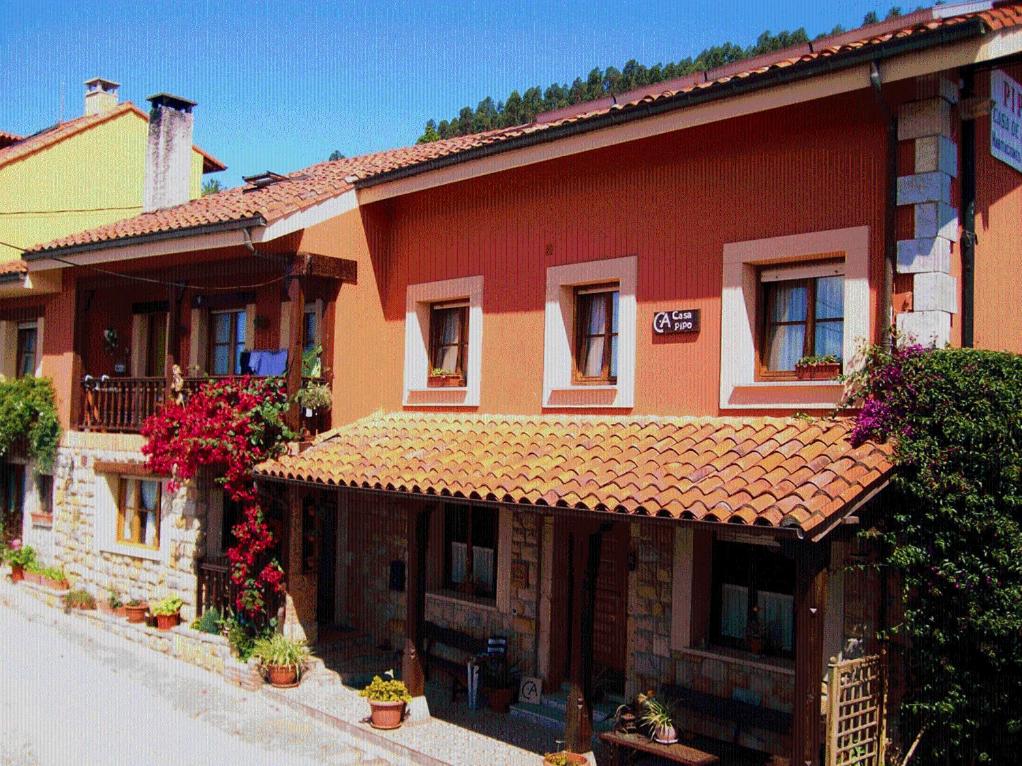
561	461
12	269
330	179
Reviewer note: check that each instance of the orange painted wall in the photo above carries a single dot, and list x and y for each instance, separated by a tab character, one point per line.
673	201
998	276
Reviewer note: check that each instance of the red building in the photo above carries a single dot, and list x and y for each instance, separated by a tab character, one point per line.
564	360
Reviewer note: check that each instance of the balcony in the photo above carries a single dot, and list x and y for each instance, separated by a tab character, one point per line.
121	405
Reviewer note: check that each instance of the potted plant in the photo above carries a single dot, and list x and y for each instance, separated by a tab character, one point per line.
54	577
441	378
313	397
135	610
658	718
498	681
825	367
564	758
167	612
19	556
79	599
112	604
387	701
282	658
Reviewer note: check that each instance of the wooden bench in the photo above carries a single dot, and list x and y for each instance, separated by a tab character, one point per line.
433	636
741	715
621	744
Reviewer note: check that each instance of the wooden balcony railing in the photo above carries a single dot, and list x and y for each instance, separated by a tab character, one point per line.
215	589
121	405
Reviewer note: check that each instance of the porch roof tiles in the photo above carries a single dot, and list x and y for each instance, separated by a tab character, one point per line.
667	467
315	184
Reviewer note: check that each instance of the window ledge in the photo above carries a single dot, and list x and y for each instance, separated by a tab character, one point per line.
738	657
463	600
586	397
795	394
445	396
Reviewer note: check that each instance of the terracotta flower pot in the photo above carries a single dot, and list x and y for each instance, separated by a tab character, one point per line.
827	371
386	715
17	573
499	699
167	621
577	758
135	613
282	676
446	381
56	584
34	577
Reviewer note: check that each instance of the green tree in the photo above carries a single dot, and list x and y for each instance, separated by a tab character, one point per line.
336	155
211	186
429	134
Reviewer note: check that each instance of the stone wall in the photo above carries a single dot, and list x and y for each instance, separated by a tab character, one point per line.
81	523
649	608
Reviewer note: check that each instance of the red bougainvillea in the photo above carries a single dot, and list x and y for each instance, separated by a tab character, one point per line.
228	426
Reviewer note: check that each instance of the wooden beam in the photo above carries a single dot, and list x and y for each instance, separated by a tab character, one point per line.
325	266
295	346
810	605
415	599
173	339
578	723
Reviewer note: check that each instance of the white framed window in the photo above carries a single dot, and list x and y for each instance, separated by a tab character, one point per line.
589	339
444	327
750	268
131	516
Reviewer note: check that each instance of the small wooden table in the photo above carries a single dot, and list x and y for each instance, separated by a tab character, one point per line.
621	743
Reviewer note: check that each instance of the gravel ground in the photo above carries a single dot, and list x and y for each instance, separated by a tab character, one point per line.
69	695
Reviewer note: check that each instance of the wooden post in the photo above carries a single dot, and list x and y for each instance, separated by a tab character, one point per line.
296	295
578	724
173	340
415	600
810	603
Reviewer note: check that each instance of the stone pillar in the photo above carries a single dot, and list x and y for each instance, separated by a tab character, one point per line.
927	125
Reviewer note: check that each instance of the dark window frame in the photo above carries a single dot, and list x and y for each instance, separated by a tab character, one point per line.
123	508
766	298
25	331
757	569
436	337
477	532
606	293
237	315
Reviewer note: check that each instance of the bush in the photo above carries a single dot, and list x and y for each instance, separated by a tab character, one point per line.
210	622
27	411
954	534
20	555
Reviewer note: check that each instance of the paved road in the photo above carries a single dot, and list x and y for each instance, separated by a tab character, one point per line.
95	699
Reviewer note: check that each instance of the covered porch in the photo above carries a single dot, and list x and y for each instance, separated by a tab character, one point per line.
600	592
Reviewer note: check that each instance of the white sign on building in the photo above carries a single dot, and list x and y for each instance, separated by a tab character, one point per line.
1006	119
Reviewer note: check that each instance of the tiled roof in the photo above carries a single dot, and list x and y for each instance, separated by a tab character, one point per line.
774	472
6	139
11	270
23	147
320	182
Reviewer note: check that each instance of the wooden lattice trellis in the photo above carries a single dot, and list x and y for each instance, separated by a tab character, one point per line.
856	702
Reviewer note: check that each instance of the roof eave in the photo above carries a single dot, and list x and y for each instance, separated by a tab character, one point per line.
734	87
143	239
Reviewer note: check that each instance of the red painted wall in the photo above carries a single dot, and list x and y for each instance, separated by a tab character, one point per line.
673	201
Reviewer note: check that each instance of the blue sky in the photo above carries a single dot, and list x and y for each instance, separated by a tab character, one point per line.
282	84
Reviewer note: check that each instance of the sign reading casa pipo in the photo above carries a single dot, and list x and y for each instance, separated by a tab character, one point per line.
1006	119
672	322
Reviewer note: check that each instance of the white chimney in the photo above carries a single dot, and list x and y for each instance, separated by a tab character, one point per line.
100	95
168	162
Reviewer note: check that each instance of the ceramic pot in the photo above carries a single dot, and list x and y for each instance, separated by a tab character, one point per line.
665	734
167	621
282	676
575	758
135	613
387	715
17	573
827	371
499	699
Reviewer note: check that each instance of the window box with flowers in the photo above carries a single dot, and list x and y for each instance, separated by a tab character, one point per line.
827	367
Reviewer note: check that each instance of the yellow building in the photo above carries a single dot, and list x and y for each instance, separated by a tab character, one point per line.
85	172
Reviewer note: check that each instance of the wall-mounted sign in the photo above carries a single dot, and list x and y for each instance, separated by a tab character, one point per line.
673	322
1006	119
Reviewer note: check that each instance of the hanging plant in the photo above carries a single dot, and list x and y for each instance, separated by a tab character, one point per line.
228	426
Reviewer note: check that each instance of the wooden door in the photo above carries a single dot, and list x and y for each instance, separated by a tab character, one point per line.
610	626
